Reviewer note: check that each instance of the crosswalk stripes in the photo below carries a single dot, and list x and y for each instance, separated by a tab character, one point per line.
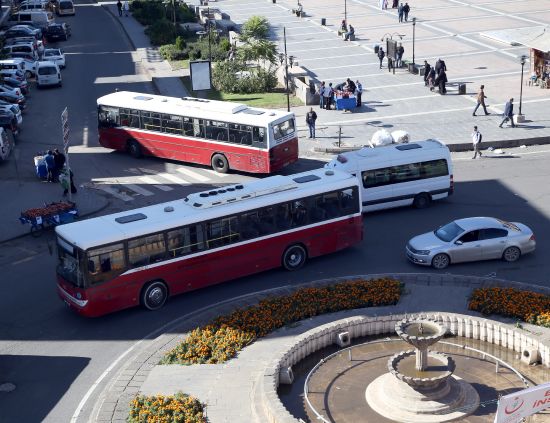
174	178
195	175
114	192
139	190
153	182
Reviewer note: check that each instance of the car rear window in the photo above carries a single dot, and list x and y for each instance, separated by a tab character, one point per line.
47	70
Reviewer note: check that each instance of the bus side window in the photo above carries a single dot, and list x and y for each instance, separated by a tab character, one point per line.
258	137
108	116
186	240
105	263
198	128
146	250
223	231
348	201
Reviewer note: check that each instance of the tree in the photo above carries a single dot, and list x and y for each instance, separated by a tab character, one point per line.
255	27
258	50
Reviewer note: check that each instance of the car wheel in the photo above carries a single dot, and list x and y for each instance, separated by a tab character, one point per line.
294	257
219	163
154	295
134	149
440	261
511	254
421	201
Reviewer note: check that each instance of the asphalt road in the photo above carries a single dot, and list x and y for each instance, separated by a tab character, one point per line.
54	357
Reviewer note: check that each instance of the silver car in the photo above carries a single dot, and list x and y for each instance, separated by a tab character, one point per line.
471	239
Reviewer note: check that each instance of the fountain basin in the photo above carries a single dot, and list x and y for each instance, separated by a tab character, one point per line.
440	368
420	333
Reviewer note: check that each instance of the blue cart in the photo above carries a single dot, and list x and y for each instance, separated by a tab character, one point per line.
50	215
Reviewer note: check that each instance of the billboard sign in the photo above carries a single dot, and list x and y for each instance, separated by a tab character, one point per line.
200	75
514	407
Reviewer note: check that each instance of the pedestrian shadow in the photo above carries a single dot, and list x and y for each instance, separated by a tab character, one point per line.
531	127
501	156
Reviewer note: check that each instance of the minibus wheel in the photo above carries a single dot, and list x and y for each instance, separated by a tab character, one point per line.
422	200
154	295
294	257
134	149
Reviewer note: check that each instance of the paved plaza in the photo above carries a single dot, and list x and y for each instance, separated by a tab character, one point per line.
456	31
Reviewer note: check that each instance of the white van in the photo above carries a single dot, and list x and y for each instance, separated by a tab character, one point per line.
28	48
397	175
65	8
40	19
27	6
47	73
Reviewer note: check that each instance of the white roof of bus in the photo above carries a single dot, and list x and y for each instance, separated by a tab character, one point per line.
396	152
194	107
105	229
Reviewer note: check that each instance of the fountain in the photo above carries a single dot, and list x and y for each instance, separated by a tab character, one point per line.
420	385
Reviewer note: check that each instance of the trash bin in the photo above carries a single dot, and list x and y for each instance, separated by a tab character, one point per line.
461	88
323	21
376	48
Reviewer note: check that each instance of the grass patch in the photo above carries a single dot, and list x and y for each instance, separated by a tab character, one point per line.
179	64
275	100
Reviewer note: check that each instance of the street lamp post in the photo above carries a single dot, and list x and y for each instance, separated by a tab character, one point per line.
522	61
284	58
346	11
414	27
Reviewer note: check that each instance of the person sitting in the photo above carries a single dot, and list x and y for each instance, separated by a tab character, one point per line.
299	10
350	34
343	28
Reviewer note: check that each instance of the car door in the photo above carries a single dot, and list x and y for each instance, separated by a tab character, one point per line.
493	242
466	248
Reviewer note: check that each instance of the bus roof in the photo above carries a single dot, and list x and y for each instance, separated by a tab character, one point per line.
202	206
194	107
397	152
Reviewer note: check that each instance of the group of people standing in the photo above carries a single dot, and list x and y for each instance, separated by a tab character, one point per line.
403	12
122	7
327	92
57	171
436	76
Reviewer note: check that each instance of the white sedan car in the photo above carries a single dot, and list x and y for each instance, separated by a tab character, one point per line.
471	239
55	55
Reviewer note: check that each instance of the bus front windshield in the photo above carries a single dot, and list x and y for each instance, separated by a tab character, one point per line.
68	266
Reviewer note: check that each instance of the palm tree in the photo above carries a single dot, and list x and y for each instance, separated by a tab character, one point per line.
258	50
255	27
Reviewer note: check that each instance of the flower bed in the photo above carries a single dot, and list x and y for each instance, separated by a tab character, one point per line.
221	339
178	408
524	305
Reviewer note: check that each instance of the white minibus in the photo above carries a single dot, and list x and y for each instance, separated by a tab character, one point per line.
397	175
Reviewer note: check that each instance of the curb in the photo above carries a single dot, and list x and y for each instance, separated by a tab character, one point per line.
127	378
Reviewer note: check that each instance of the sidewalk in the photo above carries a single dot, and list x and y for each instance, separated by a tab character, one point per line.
235	391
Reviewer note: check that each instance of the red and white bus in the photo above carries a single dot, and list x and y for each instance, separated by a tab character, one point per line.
142	256
221	134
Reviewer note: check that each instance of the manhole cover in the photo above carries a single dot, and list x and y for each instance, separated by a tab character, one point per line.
7	387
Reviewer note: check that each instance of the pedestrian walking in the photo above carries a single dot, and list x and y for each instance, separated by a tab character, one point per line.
400	12
125	7
59	159
321	95
50	166
481	101
358	93
399	55
406	10
440	81
440	65
67	181
427	69
328	93
476	141
508	113
431	79
119	7
311	117
395	4
381	55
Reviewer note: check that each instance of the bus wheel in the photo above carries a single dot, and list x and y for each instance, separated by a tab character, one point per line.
154	295
219	163
421	201
294	257
134	149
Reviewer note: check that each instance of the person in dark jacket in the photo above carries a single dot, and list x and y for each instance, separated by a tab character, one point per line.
381	55
50	165
311	117
59	159
400	12
350	85
119	7
427	69
441	80
440	65
508	113
406	10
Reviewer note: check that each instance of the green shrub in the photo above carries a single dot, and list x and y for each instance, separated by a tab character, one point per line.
172	52
225	44
226	78
185	14
180	43
147	12
161	32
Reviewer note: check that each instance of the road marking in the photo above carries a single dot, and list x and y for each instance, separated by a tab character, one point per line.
174	178
111	191
22	260
150	181
195	175
139	190
508	153
85	136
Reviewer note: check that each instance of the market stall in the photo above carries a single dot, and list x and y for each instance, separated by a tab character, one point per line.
344	101
52	214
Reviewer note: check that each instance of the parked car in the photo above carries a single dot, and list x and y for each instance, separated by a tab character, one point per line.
38	44
23	31
55	55
6	142
64	8
15	46
48	73
14	99
14	108
12	73
39	18
4	88
10	120
28	64
15	83
471	239
58	31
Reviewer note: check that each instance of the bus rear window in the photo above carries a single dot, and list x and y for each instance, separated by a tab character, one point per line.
283	129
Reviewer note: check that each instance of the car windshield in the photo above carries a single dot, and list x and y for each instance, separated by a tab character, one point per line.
50	53
448	232
47	70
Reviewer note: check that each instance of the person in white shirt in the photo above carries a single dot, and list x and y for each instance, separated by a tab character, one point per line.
125	7
476	141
